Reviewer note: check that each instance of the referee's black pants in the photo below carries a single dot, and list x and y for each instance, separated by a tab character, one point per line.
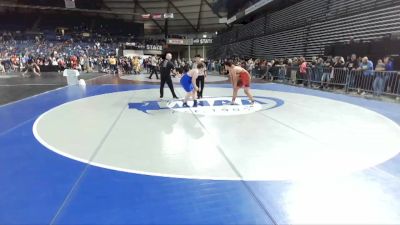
153	71
166	79
200	84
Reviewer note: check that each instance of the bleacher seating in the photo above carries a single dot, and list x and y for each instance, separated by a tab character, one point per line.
283	44
307	27
346	7
366	26
297	15
253	29
240	49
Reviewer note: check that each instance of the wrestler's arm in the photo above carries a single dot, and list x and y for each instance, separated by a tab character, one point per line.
194	73
173	69
234	78
230	76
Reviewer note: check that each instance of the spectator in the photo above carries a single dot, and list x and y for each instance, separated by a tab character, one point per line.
250	67
390	75
352	67
281	70
319	69
326	76
338	72
313	70
274	70
367	68
264	69
391	78
136	65
380	66
378	83
292	72
113	65
304	75
153	67
295	61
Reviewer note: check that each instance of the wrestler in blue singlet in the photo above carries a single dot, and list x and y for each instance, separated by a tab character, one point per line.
186	82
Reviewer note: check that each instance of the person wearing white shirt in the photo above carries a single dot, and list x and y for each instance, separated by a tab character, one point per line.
153	67
201	75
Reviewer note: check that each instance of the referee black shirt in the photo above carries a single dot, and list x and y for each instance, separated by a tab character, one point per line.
166	68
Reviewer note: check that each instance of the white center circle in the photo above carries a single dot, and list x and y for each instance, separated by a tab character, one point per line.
305	137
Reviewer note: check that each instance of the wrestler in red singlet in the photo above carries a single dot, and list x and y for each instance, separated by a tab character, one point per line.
244	79
240	79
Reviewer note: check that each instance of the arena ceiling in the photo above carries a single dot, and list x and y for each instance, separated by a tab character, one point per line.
190	16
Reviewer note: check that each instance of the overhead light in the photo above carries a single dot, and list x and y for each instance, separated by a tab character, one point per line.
204	35
216	32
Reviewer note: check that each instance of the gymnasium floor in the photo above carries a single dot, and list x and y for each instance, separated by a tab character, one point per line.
113	153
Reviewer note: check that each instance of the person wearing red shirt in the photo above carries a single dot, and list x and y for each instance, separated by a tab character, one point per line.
303	71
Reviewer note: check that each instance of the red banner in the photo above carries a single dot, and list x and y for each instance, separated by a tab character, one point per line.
157	16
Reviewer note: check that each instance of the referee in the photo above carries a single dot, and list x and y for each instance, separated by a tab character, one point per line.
166	68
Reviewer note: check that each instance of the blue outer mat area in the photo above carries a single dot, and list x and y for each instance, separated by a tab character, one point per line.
38	186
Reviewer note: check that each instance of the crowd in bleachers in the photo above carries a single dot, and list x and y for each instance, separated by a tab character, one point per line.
53	41
42	53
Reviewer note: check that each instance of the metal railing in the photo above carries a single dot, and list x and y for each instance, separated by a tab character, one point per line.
374	82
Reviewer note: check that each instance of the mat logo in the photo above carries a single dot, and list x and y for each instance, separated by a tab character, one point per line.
212	106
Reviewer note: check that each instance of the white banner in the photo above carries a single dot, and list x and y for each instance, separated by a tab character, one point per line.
146	16
168	15
133	53
202	41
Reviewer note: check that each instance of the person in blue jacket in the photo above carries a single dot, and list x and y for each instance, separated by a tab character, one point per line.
367	68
